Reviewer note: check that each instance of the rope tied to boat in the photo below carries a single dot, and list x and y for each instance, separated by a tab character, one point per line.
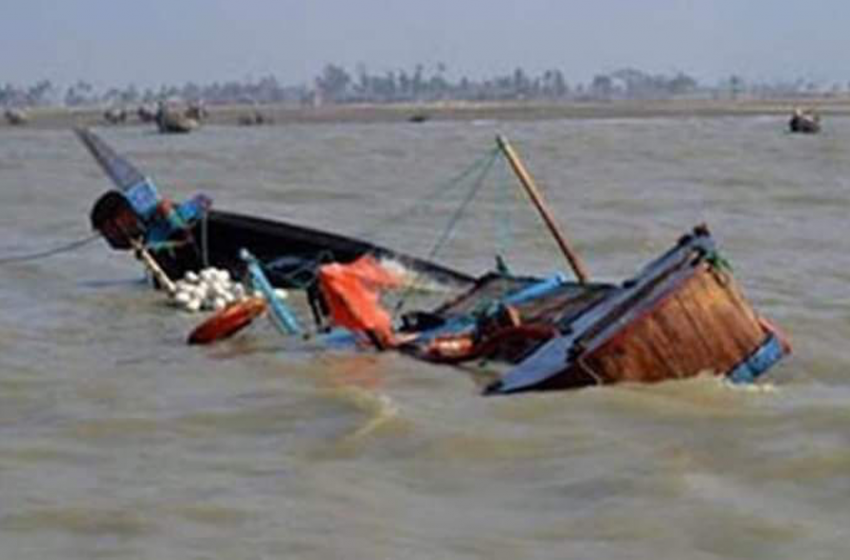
308	268
718	261
424	205
482	168
170	246
205	252
38	255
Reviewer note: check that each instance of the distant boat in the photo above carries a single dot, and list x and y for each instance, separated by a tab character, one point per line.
172	121
115	115
16	117
419	118
254	118
807	122
147	113
197	110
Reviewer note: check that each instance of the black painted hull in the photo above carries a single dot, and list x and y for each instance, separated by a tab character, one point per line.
290	252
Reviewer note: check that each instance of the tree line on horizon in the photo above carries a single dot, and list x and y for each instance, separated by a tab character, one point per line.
336	85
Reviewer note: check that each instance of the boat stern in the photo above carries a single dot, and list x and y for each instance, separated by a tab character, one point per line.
682	315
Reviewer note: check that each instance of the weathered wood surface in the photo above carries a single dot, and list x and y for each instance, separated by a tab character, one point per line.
703	325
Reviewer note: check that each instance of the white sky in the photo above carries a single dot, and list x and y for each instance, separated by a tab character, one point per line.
153	42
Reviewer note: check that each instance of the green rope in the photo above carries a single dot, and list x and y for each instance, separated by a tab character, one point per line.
458	214
718	261
168	246
205	250
310	267
483	169
156	246
425	203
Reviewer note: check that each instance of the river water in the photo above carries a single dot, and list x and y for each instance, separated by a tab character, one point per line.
117	441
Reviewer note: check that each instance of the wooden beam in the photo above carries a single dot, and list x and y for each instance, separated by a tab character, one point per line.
540	204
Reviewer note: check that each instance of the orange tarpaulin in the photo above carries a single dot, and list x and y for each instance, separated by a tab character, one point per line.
352	293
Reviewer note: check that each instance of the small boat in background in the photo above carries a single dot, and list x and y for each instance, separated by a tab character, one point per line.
147	112
170	120
115	115
16	117
419	118
255	117
197	111
807	122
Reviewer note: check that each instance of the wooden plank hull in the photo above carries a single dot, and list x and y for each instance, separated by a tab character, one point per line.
684	315
703	326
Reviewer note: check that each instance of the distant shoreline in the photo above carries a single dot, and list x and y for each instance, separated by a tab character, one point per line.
59	118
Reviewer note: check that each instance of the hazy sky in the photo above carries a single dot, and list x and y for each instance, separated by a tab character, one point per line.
151	42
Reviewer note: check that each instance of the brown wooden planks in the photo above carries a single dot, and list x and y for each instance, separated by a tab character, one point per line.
705	324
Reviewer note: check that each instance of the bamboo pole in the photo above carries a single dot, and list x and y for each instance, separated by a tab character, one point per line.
154	267
537	199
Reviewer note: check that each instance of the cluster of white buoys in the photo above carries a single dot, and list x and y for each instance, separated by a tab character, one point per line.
208	290
211	289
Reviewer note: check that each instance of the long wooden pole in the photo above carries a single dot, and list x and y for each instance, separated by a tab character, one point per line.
537	199
154	267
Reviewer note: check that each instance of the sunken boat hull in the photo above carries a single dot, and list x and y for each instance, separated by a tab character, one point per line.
291	252
682	316
191	235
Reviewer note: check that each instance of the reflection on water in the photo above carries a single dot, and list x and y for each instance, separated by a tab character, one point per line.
118	441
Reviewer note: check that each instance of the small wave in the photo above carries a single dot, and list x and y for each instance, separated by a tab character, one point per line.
79	520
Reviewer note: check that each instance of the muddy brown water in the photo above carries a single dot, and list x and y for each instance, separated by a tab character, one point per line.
117	441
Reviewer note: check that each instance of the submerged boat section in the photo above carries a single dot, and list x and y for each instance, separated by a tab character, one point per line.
191	235
683	315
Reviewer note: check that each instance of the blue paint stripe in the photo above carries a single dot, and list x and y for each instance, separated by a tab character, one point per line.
759	361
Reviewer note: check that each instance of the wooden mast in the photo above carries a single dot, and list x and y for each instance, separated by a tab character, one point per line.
537	199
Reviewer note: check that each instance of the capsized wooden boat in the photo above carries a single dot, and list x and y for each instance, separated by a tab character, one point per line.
189	236
682	315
